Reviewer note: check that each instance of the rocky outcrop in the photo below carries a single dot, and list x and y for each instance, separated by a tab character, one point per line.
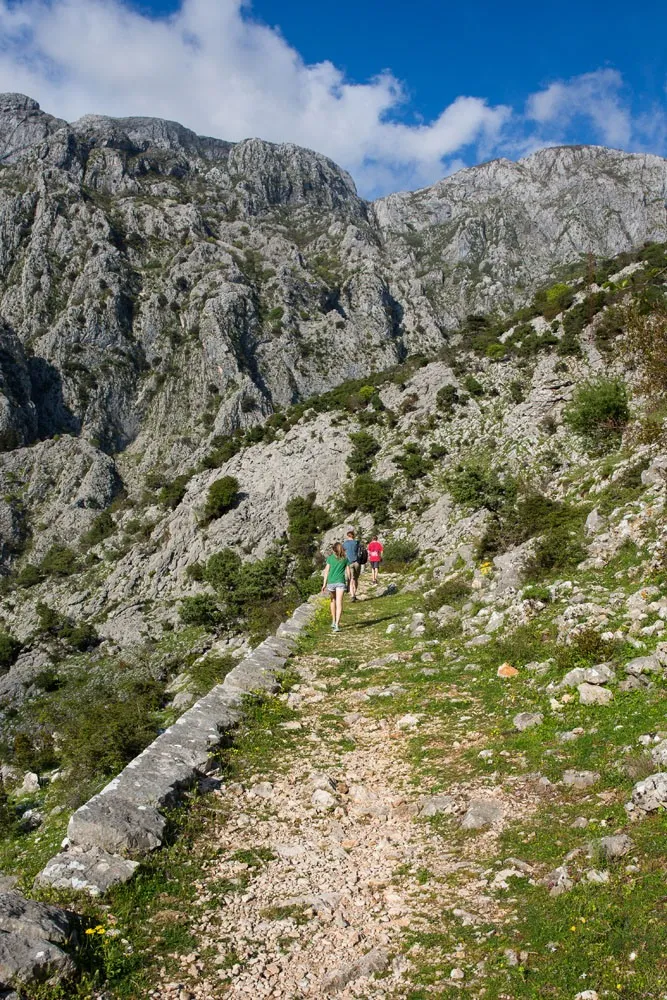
33	941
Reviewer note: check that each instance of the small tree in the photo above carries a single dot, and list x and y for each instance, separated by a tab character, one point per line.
222	497
200	610
599	411
365	449
9	651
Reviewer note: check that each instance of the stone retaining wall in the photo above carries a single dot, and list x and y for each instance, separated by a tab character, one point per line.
127	818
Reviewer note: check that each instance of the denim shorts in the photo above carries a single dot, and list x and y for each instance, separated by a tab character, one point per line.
333	587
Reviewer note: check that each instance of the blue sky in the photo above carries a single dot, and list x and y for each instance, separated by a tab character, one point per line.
400	94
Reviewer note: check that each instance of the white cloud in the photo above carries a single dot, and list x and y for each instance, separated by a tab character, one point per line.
596	97
218	71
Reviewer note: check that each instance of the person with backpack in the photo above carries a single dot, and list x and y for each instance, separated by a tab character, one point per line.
337	574
375	550
352	551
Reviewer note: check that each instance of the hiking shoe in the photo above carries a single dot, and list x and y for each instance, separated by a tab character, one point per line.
336	628
354	598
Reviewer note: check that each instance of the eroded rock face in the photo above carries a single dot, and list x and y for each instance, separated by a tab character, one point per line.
138	250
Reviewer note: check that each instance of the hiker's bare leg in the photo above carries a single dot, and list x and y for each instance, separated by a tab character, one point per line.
339	604
333	604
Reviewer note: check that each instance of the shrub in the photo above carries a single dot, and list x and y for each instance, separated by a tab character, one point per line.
29	576
517	391
104	729
195	571
80	636
496	351
365	449
599	411
453	592
101	528
551	301
412	463
200	610
9	651
306	520
223	495
400	552
370	496
536	592
172	493
221	570
447	398
476	484
474	387
59	561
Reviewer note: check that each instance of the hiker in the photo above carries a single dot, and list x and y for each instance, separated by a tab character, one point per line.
375	550
352	546
336	573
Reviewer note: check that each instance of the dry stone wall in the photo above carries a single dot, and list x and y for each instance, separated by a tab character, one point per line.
127	818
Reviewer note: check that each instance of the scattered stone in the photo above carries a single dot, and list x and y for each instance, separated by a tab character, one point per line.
587	995
436	805
593	875
408	722
651	793
601	674
580	779
558	881
457	974
30	784
319	779
643	665
507	670
479	640
481	813
374	961
580	823
31	819
323	800
659	754
527	720
612	848
591	694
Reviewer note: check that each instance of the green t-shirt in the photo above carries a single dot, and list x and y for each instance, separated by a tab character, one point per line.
336	569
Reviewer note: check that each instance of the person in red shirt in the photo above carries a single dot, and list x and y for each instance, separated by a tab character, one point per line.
375	550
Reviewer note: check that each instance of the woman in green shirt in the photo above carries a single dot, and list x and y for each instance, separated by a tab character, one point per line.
336	576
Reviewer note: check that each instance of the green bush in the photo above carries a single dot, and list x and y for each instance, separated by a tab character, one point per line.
399	552
202	609
306	521
447	398
477	484
104	729
599	411
370	496
29	576
9	651
496	351
59	561
412	463
222	569
172	493
474	387
551	301
102	527
517	391
559	549
223	495
454	592
80	636
364	451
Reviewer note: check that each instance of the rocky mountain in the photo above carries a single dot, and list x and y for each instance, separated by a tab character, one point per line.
157	287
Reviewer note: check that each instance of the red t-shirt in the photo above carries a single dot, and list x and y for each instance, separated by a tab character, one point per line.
375	550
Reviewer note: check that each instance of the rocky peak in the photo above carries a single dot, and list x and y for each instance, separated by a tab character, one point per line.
22	125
